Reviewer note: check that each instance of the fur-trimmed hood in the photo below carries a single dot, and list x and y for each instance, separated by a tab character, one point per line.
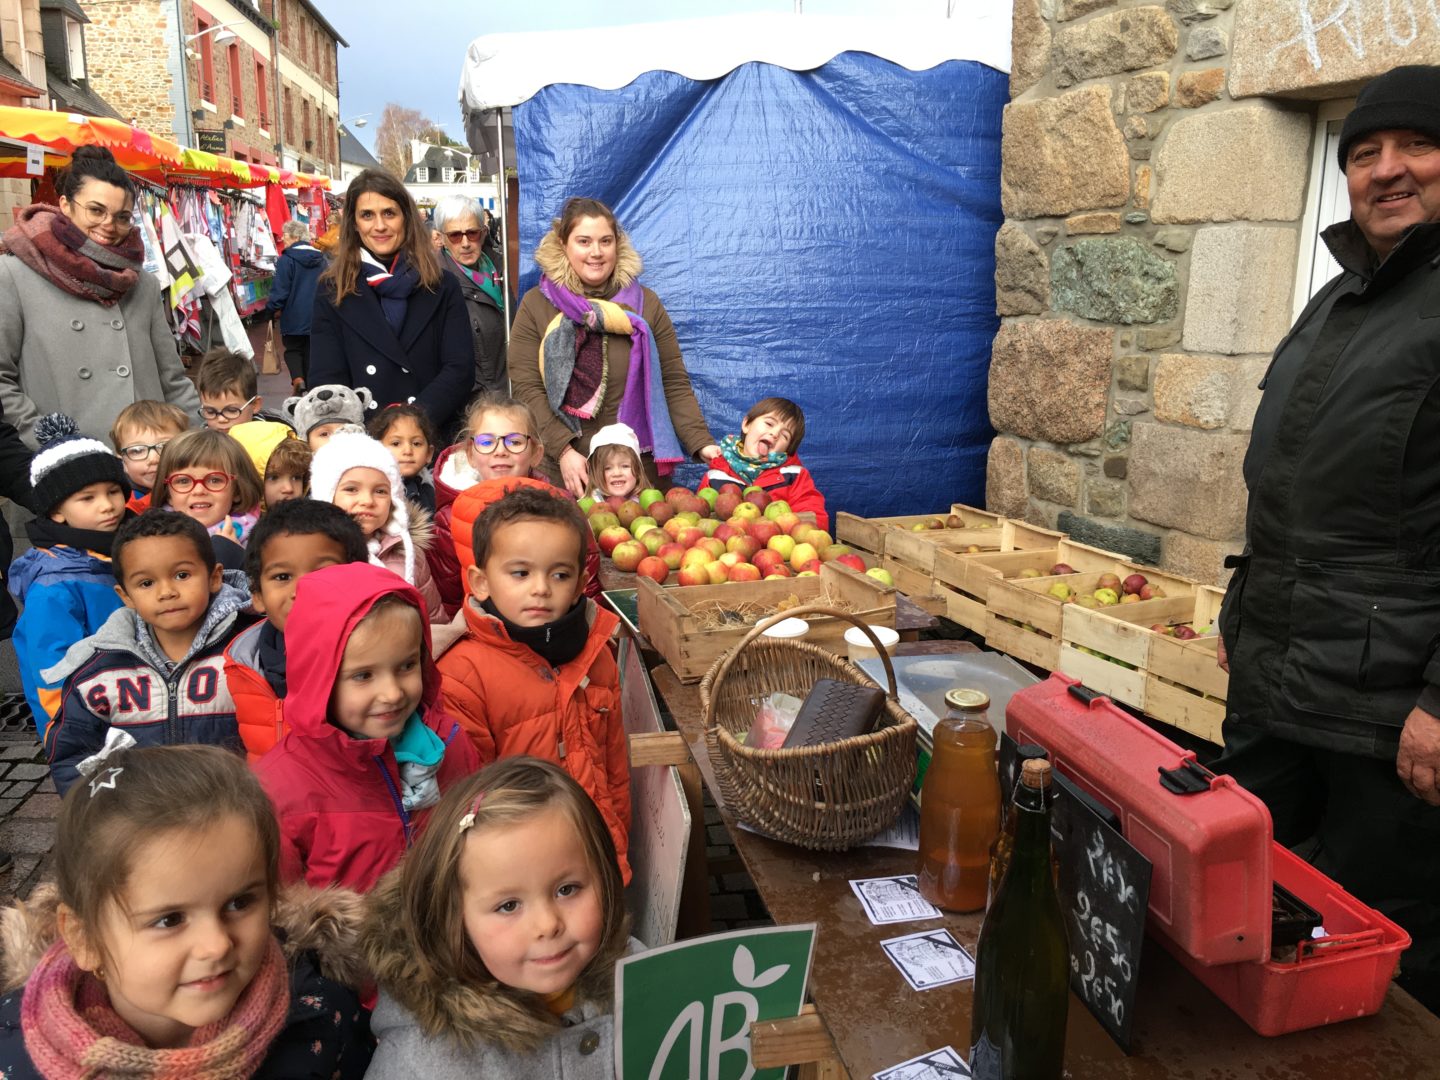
325	922
550	257
468	1014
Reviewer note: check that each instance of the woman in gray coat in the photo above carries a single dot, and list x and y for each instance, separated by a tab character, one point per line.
460	226
82	325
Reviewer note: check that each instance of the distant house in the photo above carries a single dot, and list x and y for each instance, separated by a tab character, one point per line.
62	23
354	158
448	170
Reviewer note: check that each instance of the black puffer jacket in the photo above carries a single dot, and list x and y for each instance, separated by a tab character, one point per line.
487	326
1333	616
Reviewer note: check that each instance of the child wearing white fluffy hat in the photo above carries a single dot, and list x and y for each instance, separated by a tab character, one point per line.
357	474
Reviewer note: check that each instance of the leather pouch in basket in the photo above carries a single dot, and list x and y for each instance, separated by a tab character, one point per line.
835	710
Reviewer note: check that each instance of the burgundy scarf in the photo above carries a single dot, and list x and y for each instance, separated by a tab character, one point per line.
52	245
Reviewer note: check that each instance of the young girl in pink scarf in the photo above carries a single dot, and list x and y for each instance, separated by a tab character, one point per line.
155	954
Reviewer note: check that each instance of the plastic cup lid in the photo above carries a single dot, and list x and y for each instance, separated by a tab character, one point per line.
788	628
856	636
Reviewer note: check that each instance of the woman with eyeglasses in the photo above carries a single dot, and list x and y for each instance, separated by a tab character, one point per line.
460	225
386	317
591	347
82	325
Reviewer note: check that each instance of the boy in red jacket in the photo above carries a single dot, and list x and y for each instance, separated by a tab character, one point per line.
369	747
534	673
296	537
764	455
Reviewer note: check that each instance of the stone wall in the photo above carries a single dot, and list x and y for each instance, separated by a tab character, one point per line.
125	51
1154	166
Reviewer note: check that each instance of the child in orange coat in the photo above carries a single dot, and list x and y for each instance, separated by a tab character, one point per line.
534	673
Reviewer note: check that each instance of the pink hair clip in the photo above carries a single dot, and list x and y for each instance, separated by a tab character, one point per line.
468	820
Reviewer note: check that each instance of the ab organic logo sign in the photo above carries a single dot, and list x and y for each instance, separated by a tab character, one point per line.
684	1012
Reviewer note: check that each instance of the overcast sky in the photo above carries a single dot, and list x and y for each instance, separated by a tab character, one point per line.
416	61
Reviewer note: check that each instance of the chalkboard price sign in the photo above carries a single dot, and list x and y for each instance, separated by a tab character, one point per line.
1104	886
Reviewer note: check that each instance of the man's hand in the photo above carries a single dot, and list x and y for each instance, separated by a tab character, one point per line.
1418	763
1222	658
574	473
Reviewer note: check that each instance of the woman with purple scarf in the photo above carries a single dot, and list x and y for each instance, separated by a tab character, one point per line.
82	325
591	346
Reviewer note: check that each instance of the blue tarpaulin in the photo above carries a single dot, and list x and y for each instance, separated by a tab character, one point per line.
824	235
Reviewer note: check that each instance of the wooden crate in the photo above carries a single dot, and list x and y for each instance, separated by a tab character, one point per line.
667	620
962	578
871	534
1184	686
1122	635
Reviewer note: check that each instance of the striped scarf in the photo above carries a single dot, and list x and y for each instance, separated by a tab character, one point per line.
393	285
58	250
72	1030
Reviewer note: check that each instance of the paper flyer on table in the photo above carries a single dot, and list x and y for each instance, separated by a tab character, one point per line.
942	1064
893	899
930	958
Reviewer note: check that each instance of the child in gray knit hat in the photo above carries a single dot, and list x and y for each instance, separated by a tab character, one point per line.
325	410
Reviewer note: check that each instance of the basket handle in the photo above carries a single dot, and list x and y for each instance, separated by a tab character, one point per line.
808	609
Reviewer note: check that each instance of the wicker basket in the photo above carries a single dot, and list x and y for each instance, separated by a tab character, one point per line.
831	796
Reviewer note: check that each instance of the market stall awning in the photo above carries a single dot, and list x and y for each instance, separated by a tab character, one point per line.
147	156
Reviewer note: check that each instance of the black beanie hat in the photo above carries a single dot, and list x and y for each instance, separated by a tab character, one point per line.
1404	97
68	461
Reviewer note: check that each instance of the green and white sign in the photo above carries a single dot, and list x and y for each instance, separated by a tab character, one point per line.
683	1012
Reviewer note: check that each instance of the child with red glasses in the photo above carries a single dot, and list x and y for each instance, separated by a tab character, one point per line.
209	477
500	441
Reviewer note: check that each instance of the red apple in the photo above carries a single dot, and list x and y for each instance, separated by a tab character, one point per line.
714	545
653	540
693	504
718	572
745	545
676	493
672	528
1151	592
615	501
627	556
762	530
1060	569
611	538
726	502
744	572
1185	633
766	560
695	557
834	551
787	522
740	525
653	567
756	495
1134	583
813	566
662	512
689	536
629	511
693	575
854	562
670	555
724	532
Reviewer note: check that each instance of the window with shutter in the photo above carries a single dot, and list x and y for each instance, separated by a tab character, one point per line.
422	175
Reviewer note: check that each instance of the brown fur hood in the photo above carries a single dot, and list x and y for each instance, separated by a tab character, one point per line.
323	921
470	1014
550	257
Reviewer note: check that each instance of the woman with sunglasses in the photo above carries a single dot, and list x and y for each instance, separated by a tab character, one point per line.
460	226
386	317
591	347
82	325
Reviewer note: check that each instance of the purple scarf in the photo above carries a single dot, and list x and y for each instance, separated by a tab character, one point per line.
643	406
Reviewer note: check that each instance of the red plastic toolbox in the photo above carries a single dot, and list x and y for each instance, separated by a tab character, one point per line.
1210	890
1342	975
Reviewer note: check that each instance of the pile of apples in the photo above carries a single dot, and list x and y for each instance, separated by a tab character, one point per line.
1109	590
709	537
954	521
1182	631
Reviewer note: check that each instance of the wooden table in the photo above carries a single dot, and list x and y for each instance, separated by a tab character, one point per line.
875	1019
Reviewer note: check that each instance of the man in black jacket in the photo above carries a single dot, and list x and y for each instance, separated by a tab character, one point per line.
1331	626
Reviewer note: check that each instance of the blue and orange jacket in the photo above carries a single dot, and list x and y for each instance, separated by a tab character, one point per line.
790	482
119	679
338	798
66	587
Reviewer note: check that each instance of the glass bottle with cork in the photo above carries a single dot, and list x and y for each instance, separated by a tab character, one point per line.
1005	842
960	806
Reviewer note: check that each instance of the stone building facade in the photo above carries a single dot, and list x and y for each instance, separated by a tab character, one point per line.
1155	167
22	82
256	81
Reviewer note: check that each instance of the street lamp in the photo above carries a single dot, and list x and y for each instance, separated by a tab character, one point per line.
223	36
357	121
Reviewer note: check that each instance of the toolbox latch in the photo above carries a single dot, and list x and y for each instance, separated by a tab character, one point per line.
1191	778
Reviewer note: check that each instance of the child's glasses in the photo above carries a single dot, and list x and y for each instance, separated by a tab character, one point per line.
140	451
213	481
514	442
229	412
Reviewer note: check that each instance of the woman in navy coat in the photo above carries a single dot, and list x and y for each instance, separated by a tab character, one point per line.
386	316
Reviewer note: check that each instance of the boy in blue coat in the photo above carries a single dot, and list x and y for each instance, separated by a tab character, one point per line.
154	674
64	580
